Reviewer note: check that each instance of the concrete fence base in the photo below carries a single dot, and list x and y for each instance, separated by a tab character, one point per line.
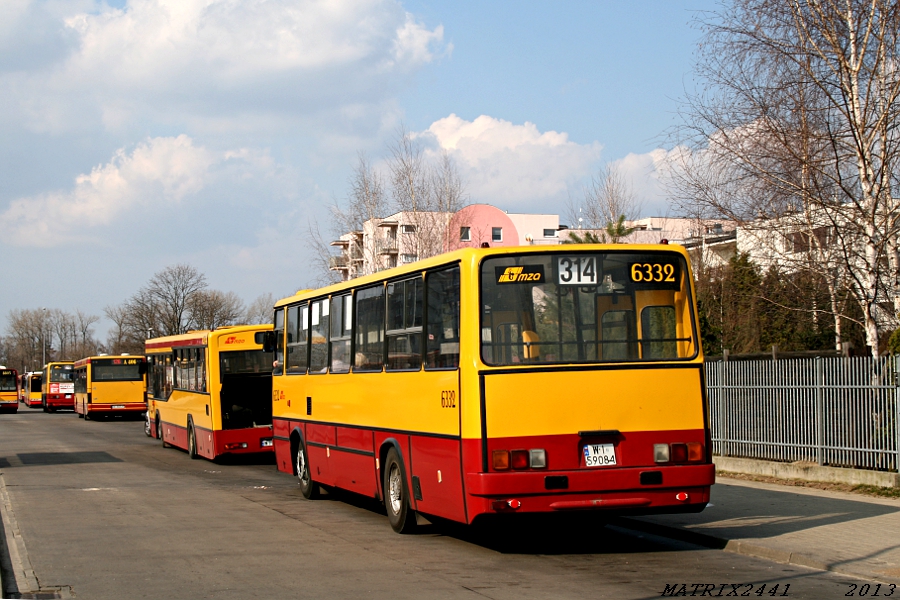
806	472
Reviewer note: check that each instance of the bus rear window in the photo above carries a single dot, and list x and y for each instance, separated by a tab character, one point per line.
245	361
61	373
584	307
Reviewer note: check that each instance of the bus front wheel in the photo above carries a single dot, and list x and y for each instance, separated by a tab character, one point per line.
309	488
396	495
147	428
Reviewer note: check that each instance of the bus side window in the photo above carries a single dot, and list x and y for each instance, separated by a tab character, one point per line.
297	330
318	336
341	325
442	305
404	325
279	342
369	329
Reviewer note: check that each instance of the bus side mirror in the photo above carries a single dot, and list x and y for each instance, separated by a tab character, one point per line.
266	339
142	368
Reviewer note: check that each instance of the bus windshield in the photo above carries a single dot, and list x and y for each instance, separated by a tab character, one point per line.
116	369
586	307
8	382
36	384
60	373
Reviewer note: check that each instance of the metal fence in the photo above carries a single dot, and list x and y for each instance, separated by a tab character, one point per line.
840	411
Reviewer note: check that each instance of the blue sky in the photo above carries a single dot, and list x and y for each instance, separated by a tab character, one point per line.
141	133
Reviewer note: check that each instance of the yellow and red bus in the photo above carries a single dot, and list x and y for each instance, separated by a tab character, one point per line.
30	391
508	380
58	386
210	392
9	390
110	385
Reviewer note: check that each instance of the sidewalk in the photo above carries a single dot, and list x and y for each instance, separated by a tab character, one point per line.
834	531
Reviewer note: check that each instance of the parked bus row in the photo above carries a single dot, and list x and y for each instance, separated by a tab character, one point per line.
482	381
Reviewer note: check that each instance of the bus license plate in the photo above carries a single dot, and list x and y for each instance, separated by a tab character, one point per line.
599	455
118	406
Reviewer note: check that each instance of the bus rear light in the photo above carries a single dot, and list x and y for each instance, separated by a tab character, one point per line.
501	460
538	459
235	445
661	453
695	451
682	496
520	459
679	453
505	505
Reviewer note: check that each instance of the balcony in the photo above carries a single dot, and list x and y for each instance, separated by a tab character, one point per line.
386	247
337	263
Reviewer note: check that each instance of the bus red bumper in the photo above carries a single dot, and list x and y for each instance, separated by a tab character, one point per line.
243	441
683	488
60	401
116	409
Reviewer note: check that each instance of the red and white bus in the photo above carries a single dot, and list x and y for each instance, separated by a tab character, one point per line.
58	386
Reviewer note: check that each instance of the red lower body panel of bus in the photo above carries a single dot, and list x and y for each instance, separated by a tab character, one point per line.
57	401
211	443
452	478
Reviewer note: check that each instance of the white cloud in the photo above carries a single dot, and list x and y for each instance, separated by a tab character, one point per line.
159	171
514	166
181	60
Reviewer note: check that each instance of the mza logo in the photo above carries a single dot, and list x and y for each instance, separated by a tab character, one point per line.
523	274
234	340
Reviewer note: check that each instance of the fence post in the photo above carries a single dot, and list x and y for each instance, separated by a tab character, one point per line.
723	365
896	419
820	416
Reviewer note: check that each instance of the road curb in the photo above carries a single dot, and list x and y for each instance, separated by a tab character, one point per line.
744	548
23	581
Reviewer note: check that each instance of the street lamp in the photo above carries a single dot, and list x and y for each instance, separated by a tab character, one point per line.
43	343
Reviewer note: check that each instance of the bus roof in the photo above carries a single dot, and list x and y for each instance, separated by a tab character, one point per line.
474	254
199	338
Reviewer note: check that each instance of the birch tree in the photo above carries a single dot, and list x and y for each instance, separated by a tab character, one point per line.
794	131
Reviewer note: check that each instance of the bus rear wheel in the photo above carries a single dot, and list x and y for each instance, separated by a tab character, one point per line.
192	442
309	488
147	427
396	495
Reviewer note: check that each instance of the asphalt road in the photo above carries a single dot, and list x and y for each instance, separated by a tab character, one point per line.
106	512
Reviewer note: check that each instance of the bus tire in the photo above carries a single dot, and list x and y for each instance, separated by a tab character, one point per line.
309	488
147	427
396	495
44	403
159	433
192	442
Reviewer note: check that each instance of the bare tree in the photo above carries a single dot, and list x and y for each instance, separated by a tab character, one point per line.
416	189
608	201
795	134
209	309
170	291
260	310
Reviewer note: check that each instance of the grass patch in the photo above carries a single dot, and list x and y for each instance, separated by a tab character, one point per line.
863	490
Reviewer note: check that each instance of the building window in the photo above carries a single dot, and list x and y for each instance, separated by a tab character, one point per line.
408	258
496	234
408	228
465	234
549	233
